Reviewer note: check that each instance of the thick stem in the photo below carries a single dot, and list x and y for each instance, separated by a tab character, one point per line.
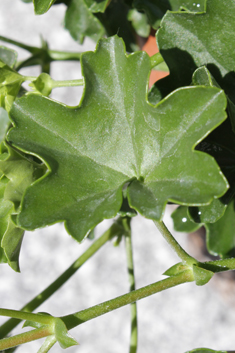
80	317
183	255
130	267
25	337
59	282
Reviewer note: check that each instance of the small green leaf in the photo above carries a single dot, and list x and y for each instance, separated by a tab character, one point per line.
221	236
208	214
10	83
8	56
80	22
115	21
177	268
19	174
97	5
139	22
201	275
62	335
42	6
43	84
116	137
182	221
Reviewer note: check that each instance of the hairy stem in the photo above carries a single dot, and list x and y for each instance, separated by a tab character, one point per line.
80	317
183	255
59	282
130	267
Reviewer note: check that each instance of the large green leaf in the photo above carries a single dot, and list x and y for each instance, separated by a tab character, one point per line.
81	22
116	137
187	41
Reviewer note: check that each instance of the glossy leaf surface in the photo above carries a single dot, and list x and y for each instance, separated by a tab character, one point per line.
184	43
116	137
182	221
42	6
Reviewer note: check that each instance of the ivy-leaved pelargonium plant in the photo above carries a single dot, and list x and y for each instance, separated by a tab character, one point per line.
125	149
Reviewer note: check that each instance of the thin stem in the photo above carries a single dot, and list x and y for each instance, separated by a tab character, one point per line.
47	344
67	83
131	275
19	44
156	59
9	325
183	255
80	317
25	337
22	315
63	55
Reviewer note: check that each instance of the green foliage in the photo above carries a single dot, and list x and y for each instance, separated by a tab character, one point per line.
124	149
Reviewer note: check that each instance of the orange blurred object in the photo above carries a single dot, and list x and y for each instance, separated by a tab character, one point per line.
150	47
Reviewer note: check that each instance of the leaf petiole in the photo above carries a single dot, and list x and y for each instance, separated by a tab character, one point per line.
183	255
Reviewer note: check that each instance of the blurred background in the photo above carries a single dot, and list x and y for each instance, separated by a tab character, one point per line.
177	320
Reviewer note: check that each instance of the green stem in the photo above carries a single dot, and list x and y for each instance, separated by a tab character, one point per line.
67	83
25	337
156	59
80	317
53	287
22	315
130	266
63	55
47	344
19	44
183	255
